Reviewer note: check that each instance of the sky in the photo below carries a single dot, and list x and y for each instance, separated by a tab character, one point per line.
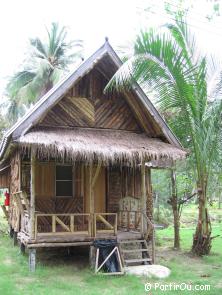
92	21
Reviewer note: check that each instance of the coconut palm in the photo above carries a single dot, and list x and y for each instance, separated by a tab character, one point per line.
46	63
168	64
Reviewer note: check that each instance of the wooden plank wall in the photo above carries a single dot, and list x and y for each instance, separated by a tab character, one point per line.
5	178
114	189
25	177
45	179
45	188
85	105
99	190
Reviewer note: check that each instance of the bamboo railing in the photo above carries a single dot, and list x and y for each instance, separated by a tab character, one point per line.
150	234
64	223
108	226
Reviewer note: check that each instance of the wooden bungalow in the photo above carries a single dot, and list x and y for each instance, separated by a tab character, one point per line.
77	165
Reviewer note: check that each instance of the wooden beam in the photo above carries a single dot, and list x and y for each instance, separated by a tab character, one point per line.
56	244
91	199
72	223
96	174
53	223
63	225
92	182
104	221
32	198
32	260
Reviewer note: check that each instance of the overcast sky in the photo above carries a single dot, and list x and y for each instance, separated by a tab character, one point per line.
91	21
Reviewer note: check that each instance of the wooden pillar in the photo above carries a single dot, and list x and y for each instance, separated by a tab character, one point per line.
91	199
149	194
92	256
32	260
11	231
15	240
22	248
32	198
92	182
144	198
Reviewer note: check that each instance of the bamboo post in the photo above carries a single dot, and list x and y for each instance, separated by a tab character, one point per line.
36	226
15	240
143	199
72	223
92	182
32	259
53	223
116	222
153	247
92	256
32	199
91	199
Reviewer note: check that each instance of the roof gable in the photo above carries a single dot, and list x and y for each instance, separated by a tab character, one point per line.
112	63
86	105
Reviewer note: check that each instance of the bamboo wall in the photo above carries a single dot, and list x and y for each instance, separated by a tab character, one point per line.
126	182
15	176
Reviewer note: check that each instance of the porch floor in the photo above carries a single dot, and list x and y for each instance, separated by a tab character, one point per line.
72	239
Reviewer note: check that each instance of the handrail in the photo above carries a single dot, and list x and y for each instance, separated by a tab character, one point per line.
62	214
149	222
147	219
67	228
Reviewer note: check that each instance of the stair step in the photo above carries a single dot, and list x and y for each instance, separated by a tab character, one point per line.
138	260
131	241
134	250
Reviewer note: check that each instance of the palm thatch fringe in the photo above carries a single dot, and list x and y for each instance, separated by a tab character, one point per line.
89	145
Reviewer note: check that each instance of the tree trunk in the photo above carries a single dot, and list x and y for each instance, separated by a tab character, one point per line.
174	204
202	237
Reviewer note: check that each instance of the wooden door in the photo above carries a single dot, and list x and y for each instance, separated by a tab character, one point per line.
99	191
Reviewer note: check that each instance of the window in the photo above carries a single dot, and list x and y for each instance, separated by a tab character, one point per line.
64	181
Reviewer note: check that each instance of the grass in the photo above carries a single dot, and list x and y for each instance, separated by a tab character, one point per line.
60	273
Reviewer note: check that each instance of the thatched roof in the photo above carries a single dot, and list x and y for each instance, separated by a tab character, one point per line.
108	146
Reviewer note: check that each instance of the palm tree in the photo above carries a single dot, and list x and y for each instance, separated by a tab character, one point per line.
168	64
47	62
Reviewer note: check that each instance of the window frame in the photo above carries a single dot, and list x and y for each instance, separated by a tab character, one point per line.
64	180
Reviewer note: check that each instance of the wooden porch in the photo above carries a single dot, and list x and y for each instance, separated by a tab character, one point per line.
76	229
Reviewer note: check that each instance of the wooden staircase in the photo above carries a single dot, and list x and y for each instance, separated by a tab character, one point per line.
134	252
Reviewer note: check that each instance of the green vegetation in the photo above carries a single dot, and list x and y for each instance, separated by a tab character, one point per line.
60	273
46	63
168	64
